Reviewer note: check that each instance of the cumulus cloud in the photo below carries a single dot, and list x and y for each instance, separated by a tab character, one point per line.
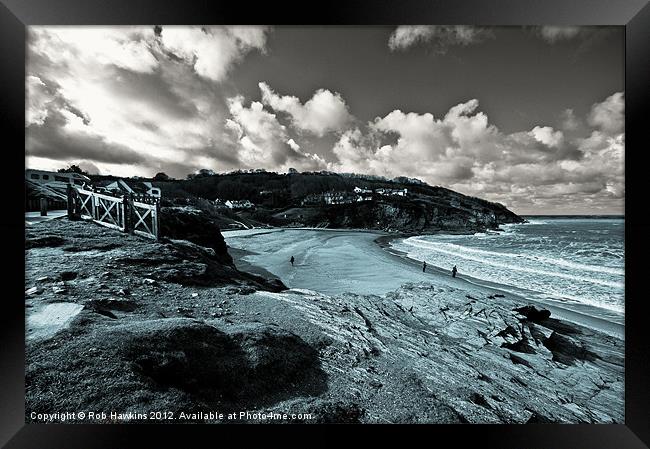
292	143
609	114
263	141
324	112
129	48
548	136
213	50
433	149
439	37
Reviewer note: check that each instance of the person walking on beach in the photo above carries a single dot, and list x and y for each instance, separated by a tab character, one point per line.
454	271
424	266
292	260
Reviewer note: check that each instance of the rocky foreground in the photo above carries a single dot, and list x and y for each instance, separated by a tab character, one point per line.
117	323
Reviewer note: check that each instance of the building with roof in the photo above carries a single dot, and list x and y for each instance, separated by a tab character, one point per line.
51	186
130	186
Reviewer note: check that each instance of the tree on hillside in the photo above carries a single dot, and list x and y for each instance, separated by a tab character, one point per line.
161	177
72	169
202	173
205	172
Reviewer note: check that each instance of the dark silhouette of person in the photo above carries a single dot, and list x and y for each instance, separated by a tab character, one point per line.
454	271
424	266
292	260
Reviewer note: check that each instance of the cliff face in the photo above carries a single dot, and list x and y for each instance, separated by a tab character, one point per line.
418	215
298	200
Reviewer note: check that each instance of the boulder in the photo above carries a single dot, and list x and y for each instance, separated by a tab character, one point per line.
243	365
196	226
33	291
533	313
68	275
121	304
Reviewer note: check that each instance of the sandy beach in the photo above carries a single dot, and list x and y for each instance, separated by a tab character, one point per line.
330	261
338	261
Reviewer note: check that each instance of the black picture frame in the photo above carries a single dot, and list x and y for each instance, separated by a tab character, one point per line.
634	15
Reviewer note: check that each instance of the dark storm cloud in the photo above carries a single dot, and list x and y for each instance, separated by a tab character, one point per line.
48	140
224	155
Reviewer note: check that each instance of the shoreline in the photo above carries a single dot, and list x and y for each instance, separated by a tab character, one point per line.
611	328
380	261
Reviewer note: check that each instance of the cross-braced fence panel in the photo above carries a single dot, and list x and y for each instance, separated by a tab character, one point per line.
109	211
86	204
145	219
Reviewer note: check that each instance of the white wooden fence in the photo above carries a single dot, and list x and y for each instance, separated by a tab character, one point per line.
145	216
138	214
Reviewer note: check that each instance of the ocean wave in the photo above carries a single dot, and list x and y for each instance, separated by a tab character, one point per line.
581	300
534	222
416	241
616	254
468	255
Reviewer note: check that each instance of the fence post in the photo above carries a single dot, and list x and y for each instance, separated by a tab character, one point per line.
156	221
128	212
70	202
73	206
43	206
94	207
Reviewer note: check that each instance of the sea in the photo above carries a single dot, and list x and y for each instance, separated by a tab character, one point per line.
576	263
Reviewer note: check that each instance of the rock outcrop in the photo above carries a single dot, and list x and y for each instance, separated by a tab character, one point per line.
192	224
457	359
84	248
419	216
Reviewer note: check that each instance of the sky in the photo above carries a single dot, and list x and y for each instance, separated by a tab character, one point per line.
530	117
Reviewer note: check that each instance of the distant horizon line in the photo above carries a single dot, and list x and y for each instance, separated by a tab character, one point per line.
573	215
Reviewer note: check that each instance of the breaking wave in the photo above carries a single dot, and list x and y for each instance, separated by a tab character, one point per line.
579	261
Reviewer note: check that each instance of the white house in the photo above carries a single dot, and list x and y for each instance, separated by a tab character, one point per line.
398	192
362	190
55	180
244	204
337	198
137	187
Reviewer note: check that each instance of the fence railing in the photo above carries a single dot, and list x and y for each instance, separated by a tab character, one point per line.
145	219
139	214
